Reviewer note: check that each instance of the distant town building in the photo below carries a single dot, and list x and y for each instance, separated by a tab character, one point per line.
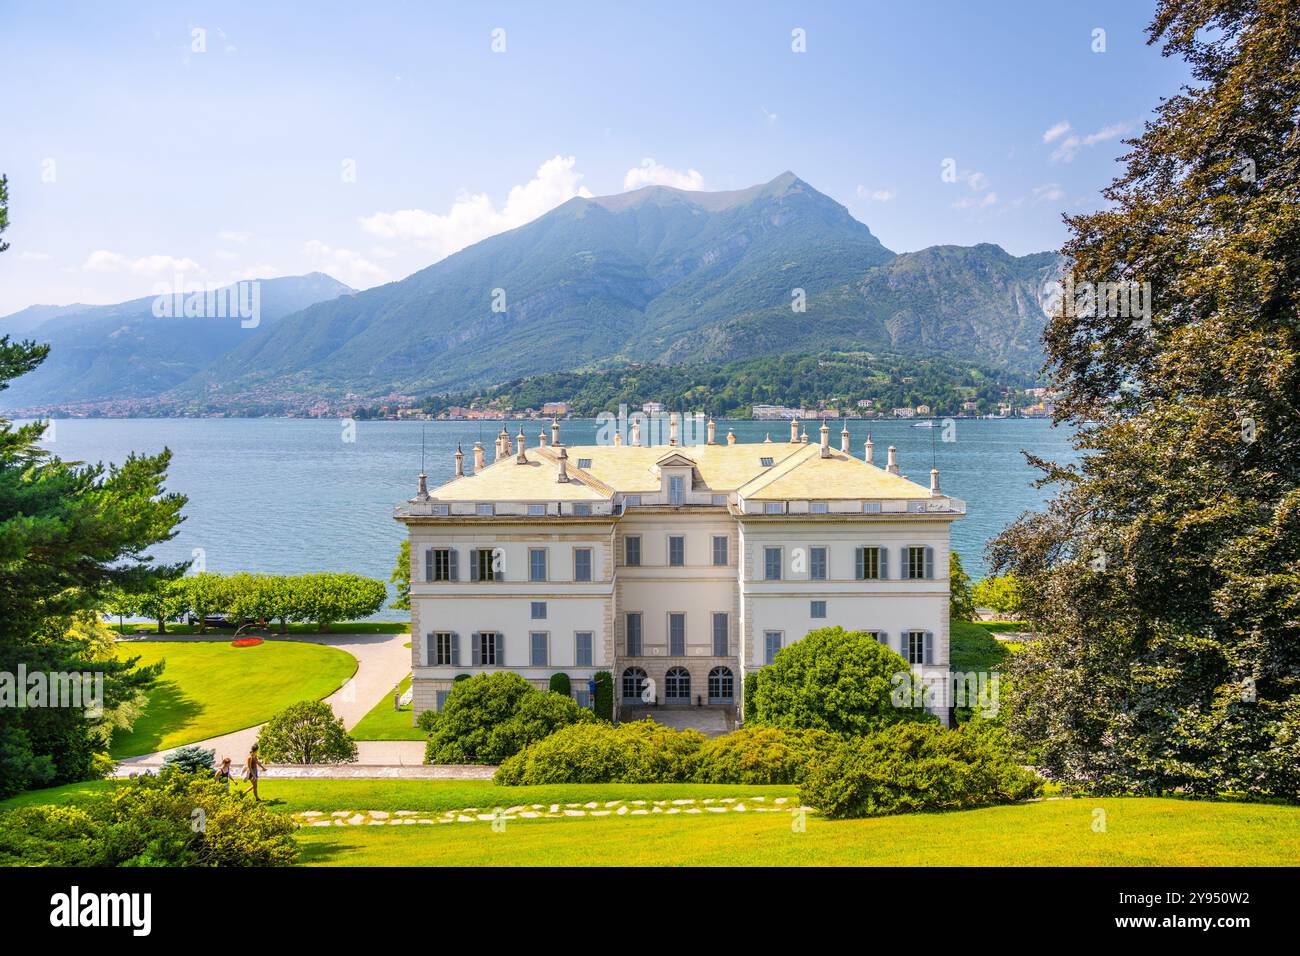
652	408
555	408
923	409
904	413
865	403
970	406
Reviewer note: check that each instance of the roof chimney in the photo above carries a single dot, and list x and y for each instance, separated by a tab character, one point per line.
794	429
478	457
672	428
934	483
713	431
460	463
892	465
731	437
541	438
826	439
423	493
803	439
871	455
503	443
768	439
563	460
520	457
555	431
844	439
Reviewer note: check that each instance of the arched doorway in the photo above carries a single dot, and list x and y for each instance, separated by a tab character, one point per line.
677	686
722	686
634	679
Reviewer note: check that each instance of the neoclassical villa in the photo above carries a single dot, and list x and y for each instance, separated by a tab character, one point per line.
677	568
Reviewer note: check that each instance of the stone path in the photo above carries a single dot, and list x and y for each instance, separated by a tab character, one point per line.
382	661
553	811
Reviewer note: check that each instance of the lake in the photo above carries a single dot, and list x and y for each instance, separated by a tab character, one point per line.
294	495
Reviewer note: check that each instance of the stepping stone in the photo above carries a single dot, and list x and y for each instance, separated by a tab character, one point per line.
538	806
710	800
341	813
781	800
379	814
758	799
660	810
321	823
572	806
638	813
377	823
715	809
601	813
739	808
555	808
423	820
461	818
575	813
621	810
726	800
310	813
637	803
682	802
516	809
529	814
694	810
406	813
673	810
592	805
613	803
487	817
356	819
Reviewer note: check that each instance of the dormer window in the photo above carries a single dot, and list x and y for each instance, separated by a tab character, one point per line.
817	508
676	489
535	510
631	501
484	509
766	462
584	462
441	510
773	507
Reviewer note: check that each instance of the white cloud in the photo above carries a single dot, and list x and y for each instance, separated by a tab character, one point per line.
975	180
976	202
344	264
102	260
876	195
650	173
1048	192
1069	147
474	216
1056	131
770	117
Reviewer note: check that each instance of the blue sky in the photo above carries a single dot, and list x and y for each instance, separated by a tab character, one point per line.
369	140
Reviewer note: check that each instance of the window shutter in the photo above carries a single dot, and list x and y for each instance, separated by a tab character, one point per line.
430	650
428	564
473	564
500	644
884	563
455	647
860	562
929	648
929	563
475	648
453	564
883	637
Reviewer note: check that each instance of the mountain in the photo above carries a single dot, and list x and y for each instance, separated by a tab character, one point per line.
653	275
106	352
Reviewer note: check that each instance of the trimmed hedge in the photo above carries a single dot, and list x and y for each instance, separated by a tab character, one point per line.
638	752
761	755
560	684
912	767
604	703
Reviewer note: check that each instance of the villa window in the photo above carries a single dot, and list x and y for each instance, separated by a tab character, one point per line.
818	508
721	634
634	679
871	507
539	649
631	501
918	647
772	564
677	685
773	507
489	649
721	558
536	564
676	551
676	490
584	462
582	649
582	564
817	564
536	510
677	634
538	610
633	634
771	644
582	510
817	609
870	563
720	501
484	509
722	685
632	551
918	564
441	510
443	650
440	564
486	564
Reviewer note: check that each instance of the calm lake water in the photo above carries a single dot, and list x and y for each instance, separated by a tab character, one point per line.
291	495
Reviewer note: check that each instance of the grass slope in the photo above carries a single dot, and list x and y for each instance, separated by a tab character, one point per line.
210	688
385	723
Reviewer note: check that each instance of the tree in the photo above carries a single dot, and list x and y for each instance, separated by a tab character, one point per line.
306	732
191	759
603	704
833	679
70	536
164	601
203	594
4	210
401	578
327	598
998	593
560	684
961	601
1166	569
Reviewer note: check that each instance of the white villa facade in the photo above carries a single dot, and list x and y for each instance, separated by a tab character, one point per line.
678	569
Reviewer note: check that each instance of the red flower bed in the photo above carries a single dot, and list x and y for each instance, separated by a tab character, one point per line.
246	642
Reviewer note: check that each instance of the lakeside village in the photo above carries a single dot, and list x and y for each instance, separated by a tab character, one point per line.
1028	403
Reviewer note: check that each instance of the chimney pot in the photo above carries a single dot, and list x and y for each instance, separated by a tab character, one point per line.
825	431
892	463
934	483
844	439
460	462
870	451
555	431
731	437
520	457
478	457
563	461
794	429
713	430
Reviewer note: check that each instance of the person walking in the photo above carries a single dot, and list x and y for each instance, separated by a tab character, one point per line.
223	774
252	766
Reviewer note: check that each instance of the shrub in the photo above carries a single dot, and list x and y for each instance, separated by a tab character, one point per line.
761	755
834	680
306	732
604	702
597	752
560	685
910	767
999	594
490	717
172	819
190	759
747	695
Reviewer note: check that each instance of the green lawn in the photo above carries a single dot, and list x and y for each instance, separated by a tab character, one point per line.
210	688
1138	831
344	627
973	648
385	723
